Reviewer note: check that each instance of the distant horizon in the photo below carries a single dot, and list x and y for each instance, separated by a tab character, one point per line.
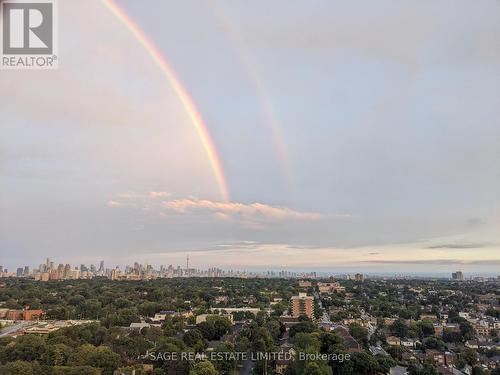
259	134
324	271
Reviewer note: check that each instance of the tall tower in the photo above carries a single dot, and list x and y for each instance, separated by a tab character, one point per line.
187	262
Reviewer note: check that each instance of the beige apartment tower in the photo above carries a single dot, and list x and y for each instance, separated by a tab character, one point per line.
302	305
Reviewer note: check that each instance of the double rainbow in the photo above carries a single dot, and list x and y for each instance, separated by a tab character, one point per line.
260	90
180	91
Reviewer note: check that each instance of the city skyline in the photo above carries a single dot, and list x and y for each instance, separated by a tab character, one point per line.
273	136
52	270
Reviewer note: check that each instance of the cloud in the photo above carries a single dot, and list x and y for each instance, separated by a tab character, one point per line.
114	203
235	244
475	221
463	262
151	194
132	195
159	194
401	34
251	216
459	246
235	210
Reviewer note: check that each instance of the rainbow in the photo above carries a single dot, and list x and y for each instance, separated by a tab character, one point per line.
180	91
260	90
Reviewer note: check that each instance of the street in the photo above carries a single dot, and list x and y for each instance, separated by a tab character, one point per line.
10	329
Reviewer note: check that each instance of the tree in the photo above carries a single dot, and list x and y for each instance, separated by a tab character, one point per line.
149	308
426	369
364	363
203	368
399	328
385	363
467	330
470	356
305	342
359	333
17	368
426	327
192	337
214	327
75	370
104	358
452	336
260	318
396	352
56	355
413	369
312	368
227	364
28	348
479	371
101	357
305	326
331	343
280	308
434	343
242	343
273	327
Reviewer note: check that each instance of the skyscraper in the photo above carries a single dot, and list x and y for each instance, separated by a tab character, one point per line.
359	277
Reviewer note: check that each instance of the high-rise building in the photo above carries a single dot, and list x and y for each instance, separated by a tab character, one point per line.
60	271
459	276
302	305
115	273
359	277
67	269
304	283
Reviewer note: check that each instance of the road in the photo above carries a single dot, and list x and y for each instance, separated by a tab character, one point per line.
10	329
247	367
371	331
325	318
375	350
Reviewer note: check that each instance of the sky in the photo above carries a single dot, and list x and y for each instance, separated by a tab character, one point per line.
352	136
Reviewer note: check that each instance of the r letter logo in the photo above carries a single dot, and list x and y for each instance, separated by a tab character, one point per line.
28	34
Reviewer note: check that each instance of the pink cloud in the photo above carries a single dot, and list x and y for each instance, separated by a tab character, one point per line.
235	210
159	194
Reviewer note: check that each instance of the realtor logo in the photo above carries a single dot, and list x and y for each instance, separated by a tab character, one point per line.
28	34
